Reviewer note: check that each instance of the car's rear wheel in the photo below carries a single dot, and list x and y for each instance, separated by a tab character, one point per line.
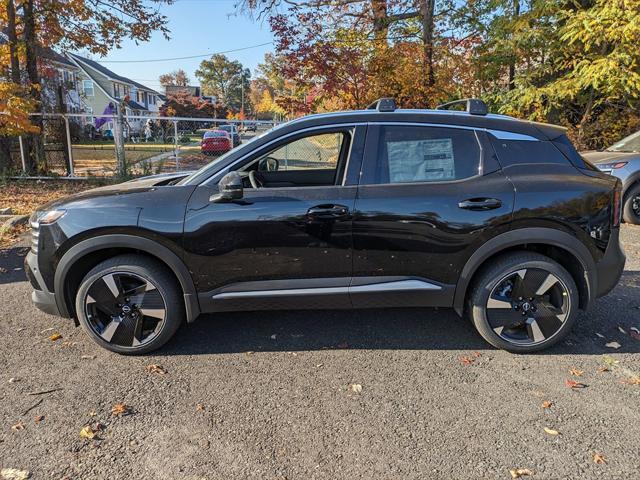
523	302
631	207
130	304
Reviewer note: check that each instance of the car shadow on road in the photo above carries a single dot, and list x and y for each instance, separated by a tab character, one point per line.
12	264
396	329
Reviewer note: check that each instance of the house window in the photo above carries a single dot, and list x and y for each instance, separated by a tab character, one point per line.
116	90
87	87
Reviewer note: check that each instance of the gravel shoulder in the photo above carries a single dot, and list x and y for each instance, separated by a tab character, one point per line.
270	395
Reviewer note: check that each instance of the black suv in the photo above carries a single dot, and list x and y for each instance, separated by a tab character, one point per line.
498	218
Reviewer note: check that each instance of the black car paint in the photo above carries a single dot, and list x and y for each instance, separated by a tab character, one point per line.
269	240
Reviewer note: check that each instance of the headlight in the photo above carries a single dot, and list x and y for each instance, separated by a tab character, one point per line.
612	166
44	217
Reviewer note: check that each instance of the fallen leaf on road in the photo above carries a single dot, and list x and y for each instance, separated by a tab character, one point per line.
520	472
356	388
273	337
250	352
120	409
576	372
603	369
599	335
155	368
14	474
319	365
17	427
631	381
200	407
551	431
547	404
55	336
622	330
88	357
88	432
612	362
38	418
599	458
615	345
14	379
634	333
466	360
477	354
574	384
3	270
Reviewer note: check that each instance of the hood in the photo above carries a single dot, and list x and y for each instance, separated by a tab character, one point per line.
608	157
137	185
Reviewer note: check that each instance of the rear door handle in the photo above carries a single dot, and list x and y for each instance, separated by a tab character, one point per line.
480	204
328	211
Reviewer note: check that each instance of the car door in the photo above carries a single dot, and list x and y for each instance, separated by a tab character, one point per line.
287	244
428	197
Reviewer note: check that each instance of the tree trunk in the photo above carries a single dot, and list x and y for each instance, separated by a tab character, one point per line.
512	63
428	12
380	23
14	64
36	154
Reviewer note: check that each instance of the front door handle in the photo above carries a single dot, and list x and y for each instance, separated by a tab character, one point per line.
480	204
328	211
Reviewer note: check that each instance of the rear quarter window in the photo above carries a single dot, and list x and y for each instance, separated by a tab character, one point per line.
518	152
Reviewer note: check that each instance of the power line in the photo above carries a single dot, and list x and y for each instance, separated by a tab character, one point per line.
185	58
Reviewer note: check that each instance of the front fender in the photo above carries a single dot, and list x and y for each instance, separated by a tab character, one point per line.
143	244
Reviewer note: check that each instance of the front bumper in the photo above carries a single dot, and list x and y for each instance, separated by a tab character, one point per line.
41	297
610	268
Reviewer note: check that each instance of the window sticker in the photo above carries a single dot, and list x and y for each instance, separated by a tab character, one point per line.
421	160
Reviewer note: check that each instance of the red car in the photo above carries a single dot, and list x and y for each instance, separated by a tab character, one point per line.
216	141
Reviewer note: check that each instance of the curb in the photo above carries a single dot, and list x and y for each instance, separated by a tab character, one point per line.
13	222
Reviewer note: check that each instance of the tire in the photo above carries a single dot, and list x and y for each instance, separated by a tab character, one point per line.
510	321
146	312
632	199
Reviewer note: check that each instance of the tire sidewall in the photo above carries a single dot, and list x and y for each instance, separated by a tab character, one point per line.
481	296
628	215
168	293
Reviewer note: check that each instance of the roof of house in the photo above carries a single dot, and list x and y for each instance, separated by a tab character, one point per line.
109	73
136	105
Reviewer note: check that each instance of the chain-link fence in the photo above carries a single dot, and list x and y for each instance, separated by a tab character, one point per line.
80	145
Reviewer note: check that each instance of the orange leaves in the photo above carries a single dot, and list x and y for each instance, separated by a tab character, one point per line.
16	106
154	368
120	409
547	404
520	472
575	372
55	336
599	459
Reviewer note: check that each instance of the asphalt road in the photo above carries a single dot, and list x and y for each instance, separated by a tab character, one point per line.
269	396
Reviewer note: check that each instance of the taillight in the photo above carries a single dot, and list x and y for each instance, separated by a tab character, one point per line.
617	202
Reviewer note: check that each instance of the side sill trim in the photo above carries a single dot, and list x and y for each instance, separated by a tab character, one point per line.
396	286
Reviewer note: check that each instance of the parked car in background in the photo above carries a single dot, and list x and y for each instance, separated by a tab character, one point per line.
233	131
622	160
215	142
498	218
250	126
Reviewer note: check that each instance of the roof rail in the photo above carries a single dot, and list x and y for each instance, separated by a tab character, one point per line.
383	105
474	106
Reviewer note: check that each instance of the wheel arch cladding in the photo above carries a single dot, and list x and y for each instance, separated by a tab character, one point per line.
80	258
559	246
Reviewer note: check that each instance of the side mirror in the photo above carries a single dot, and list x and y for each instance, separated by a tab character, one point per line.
230	189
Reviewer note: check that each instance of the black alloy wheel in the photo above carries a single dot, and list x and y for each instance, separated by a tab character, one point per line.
125	309
523	302
528	306
130	304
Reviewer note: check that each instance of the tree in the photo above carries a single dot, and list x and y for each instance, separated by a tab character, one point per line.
178	77
225	79
96	26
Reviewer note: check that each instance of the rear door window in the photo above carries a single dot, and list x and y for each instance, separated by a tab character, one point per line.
414	154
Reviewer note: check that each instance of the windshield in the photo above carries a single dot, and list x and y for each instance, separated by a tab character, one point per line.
216	133
627	144
212	166
227	128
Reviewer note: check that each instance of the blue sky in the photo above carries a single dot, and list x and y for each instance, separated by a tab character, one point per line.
197	27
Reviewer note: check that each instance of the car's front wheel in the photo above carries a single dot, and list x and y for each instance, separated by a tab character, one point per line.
523	302
130	304
631	207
